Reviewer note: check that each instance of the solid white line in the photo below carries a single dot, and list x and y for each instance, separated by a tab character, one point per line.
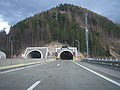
19	68
3	72
100	75
58	65
33	86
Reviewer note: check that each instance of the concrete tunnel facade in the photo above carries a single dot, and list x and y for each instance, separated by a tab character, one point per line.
36	52
68	53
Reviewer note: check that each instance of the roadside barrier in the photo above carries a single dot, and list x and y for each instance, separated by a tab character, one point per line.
104	61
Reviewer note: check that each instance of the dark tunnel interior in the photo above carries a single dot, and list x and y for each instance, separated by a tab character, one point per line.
66	55
34	54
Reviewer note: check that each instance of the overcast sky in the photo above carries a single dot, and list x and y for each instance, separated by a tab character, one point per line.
12	11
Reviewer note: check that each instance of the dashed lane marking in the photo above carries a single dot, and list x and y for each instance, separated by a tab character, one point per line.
58	65
33	86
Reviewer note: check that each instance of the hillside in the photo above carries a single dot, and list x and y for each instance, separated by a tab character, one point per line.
63	24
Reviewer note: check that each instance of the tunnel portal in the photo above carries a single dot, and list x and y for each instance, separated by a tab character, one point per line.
34	54
66	55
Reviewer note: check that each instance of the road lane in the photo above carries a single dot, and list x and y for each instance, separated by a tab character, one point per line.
22	79
98	74
50	76
69	76
112	73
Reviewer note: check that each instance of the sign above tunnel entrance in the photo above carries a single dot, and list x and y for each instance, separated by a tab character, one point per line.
66	53
36	52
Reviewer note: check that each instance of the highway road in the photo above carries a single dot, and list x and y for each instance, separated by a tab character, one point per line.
60	75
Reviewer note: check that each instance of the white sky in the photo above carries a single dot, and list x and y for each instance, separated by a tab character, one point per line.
4	24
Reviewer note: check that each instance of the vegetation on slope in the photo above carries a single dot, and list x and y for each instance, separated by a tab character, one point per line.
63	24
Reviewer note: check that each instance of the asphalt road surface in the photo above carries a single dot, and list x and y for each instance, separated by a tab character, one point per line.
60	75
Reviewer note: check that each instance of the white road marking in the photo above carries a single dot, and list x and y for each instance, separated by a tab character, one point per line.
100	75
58	65
3	72
19	68
33	86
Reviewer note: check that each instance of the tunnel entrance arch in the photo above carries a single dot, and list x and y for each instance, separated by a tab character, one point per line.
34	54
66	55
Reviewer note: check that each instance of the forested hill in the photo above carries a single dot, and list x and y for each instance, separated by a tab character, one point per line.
63	24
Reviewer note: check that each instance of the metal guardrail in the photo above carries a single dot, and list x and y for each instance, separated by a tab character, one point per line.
104	61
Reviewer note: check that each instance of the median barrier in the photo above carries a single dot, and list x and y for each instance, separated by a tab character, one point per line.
12	63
